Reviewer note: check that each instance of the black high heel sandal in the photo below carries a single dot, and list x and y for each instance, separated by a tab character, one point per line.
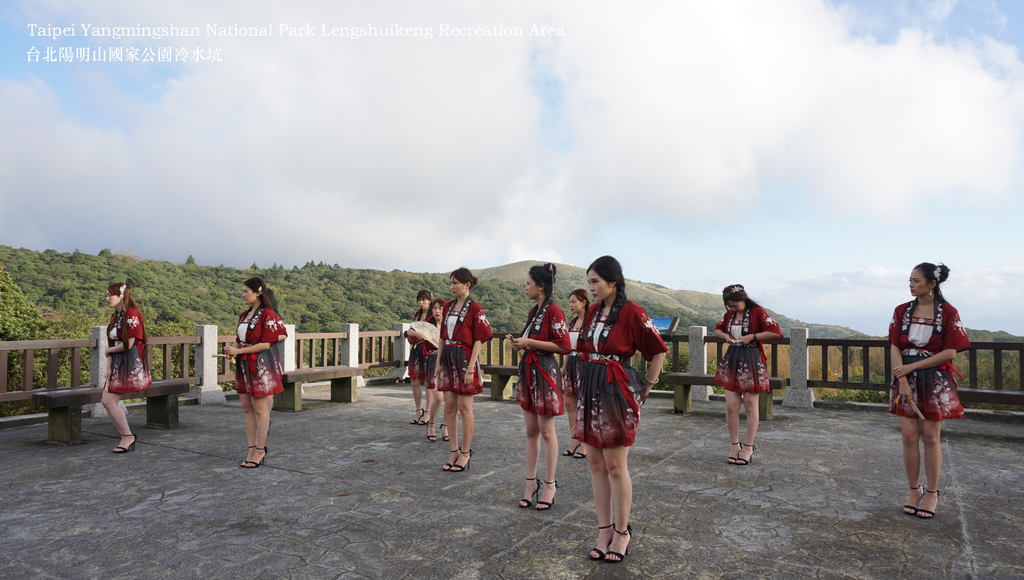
419	417
448	466
527	502
244	461
547	504
431	437
930	513
456	468
601	554
571	452
253	464
622	556
913	509
443	436
749	460
732	460
131	447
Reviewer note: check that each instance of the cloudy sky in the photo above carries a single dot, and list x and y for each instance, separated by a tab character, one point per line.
814	151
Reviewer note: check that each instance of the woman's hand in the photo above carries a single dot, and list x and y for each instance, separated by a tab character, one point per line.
902	371
747	339
521	343
413	334
468	379
232	350
905	394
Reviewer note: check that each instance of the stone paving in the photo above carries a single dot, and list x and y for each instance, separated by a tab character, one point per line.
354	491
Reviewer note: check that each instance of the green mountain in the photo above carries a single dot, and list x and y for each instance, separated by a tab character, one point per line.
692	308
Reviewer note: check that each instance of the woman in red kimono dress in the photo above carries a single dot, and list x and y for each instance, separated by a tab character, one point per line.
464	330
572	365
743	370
610	396
127	369
538	389
418	357
434	398
257	366
925	333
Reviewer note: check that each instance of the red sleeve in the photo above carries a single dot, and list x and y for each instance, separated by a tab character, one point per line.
133	324
481	328
723	324
646	337
271	327
554	323
954	335
413	341
894	325
767	323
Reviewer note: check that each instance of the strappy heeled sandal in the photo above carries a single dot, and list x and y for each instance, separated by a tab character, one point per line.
749	460
253	464
419	417
622	556
244	461
930	513
599	552
525	503
443	436
547	504
913	508
131	447
431	437
448	466
732	459
456	468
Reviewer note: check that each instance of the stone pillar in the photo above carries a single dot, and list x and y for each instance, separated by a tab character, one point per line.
698	361
208	391
348	351
98	369
798	395
286	349
402	350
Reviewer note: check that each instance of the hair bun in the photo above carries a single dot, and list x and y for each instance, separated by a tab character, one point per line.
942	272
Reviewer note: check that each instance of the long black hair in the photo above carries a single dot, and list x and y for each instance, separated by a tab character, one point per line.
259	286
736	293
610	270
933	273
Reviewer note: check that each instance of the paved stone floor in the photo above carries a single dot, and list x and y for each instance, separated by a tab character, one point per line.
354	491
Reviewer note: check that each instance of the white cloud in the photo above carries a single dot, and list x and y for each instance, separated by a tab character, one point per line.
338	150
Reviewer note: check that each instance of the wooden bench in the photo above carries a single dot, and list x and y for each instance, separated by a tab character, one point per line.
343	386
995	396
65	408
501	375
684	400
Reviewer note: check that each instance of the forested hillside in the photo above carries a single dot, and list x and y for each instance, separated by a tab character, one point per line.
692	308
320	297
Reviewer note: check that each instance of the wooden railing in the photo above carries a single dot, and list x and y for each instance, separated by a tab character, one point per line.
329	349
872	359
377	349
53	351
171	368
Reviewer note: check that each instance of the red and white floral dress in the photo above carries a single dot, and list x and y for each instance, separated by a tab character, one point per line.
933	389
611	391
743	368
574	363
418	355
259	374
538	389
459	330
129	371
